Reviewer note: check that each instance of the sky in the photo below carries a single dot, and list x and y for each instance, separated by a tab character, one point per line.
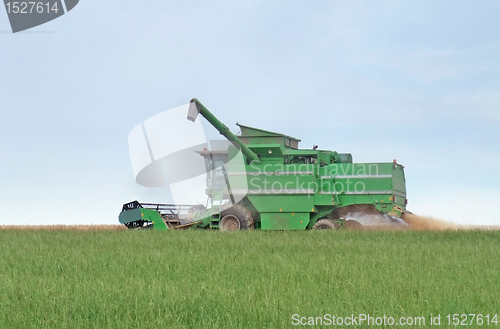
414	81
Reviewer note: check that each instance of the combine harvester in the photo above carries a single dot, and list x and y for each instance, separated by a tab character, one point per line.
280	187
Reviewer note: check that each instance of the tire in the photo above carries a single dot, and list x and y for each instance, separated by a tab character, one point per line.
236	218
325	224
353	225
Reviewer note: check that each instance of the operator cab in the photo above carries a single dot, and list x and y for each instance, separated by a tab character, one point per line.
214	168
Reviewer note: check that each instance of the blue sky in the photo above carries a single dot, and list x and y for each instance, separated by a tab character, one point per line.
413	81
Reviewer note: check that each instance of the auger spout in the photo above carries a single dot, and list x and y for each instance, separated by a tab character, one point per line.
195	108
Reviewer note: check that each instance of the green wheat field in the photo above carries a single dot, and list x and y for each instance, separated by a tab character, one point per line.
256	279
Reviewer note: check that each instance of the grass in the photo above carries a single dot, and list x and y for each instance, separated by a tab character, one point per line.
210	279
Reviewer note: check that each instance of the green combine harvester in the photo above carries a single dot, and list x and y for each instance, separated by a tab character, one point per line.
278	186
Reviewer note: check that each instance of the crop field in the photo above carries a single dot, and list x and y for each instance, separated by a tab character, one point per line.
114	278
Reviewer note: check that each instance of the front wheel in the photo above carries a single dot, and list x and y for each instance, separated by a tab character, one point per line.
236	218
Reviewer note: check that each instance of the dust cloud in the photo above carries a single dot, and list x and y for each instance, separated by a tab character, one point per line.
425	223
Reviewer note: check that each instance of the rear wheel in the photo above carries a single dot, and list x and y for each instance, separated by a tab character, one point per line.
353	225
325	224
236	218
